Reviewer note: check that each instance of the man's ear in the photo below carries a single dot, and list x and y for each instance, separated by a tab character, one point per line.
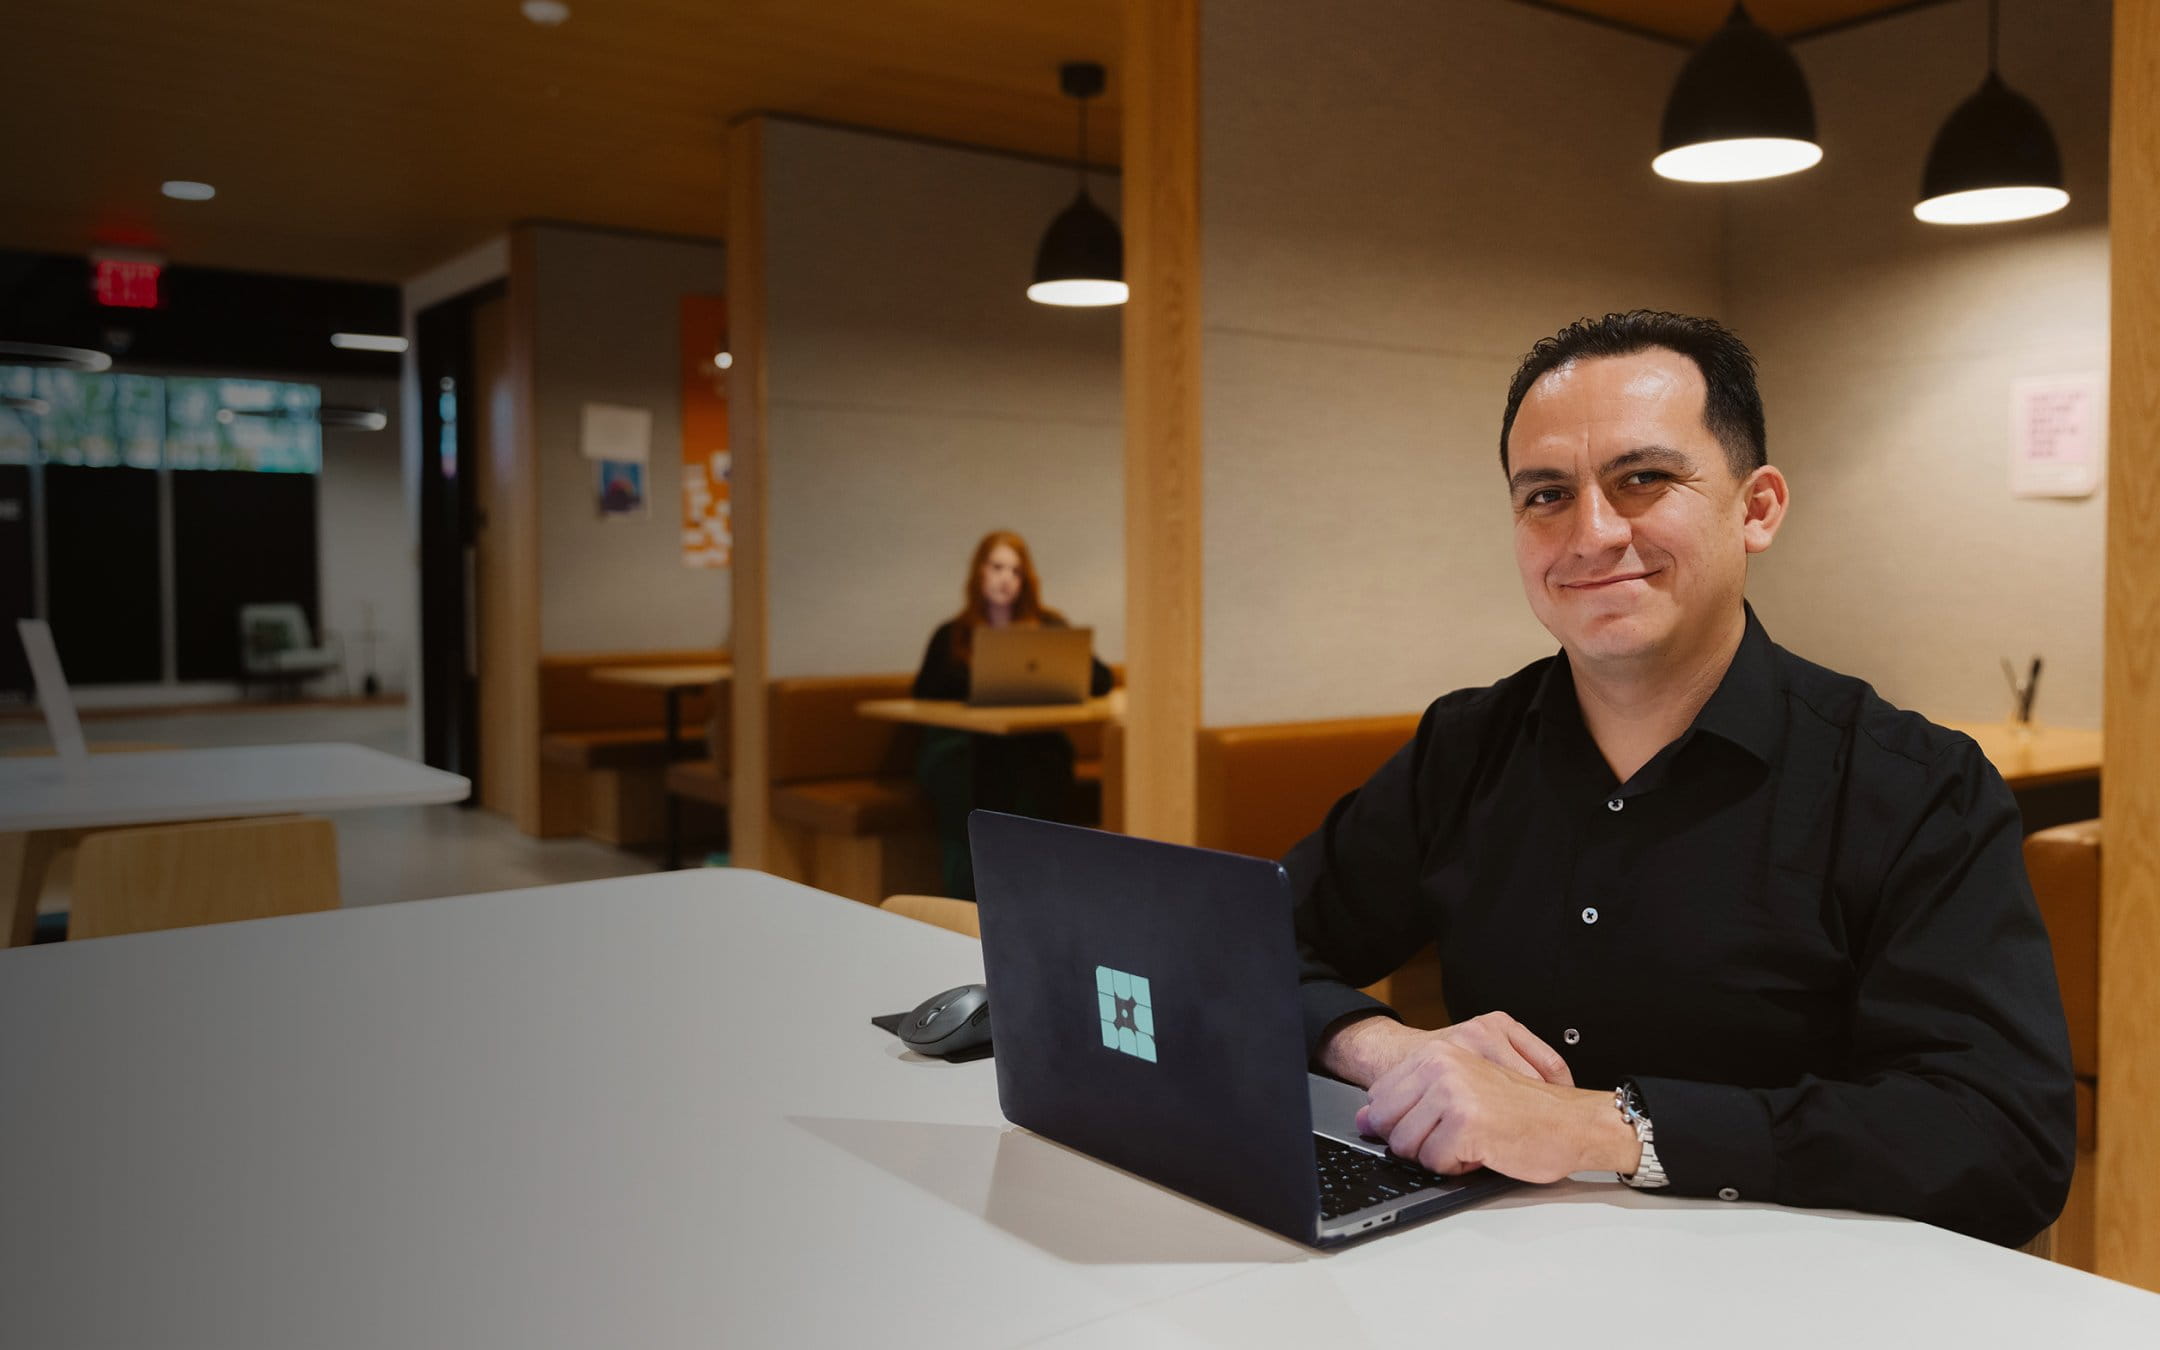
1763	498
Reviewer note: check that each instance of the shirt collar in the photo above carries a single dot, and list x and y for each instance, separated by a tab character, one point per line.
1744	710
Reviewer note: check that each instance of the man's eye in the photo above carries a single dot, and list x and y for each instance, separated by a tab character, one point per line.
1644	478
1542	497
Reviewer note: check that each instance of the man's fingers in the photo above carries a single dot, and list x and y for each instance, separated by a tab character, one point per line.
1409	1134
1543	1061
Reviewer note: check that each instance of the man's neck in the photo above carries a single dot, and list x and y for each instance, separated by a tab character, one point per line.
1633	711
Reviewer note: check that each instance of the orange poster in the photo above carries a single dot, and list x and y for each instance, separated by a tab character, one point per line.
708	536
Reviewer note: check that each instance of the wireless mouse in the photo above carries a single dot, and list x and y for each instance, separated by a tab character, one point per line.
943	1024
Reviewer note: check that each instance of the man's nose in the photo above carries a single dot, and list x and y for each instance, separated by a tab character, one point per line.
1599	526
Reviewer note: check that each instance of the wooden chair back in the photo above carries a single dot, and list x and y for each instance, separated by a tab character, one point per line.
178	876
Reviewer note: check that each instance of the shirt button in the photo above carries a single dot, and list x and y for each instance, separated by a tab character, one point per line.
1571	1036
1616	805
1728	1194
1589	914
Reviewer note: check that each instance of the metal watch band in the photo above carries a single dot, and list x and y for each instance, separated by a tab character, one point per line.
1649	1174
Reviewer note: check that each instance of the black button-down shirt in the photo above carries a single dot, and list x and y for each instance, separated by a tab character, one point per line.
1803	930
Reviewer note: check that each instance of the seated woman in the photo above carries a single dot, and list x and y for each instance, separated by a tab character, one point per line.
1028	775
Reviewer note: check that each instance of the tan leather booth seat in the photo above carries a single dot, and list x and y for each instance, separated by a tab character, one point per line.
603	746
848	815
2064	864
1264	787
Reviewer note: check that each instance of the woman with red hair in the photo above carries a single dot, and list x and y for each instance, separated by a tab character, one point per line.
1028	775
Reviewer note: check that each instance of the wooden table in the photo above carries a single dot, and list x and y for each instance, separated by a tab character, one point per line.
673	682
960	716
613	1114
45	806
2037	755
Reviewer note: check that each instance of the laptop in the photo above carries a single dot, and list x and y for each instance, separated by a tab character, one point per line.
1147	1015
1030	665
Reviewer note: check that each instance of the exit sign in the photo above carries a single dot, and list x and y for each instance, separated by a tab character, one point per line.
128	283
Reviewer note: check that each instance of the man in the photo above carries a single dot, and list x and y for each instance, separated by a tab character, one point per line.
1710	917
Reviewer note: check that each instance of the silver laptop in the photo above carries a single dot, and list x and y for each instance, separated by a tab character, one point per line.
1030	665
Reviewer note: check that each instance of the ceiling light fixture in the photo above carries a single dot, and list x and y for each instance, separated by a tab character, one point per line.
546	13
1994	159
1081	262
344	416
1739	111
723	359
45	356
184	190
369	342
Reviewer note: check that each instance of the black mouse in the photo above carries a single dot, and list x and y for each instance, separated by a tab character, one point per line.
944	1024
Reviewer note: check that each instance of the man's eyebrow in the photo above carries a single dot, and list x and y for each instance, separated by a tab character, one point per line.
1650	457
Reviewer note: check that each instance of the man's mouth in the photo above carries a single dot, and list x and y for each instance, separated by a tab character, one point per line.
1602	582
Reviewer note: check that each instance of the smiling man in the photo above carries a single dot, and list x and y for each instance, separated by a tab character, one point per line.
1710	917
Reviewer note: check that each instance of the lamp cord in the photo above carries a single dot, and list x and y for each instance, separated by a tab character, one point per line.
1082	165
1994	26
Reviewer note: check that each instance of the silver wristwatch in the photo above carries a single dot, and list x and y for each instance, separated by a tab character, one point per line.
1649	1174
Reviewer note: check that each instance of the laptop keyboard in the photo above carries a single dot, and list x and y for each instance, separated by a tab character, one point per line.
1351	1179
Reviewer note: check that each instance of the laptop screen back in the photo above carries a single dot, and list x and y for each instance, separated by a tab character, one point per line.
1020	666
1145	1010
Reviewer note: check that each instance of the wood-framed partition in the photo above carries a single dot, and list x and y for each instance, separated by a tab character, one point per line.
2128	1190
749	764
1163	486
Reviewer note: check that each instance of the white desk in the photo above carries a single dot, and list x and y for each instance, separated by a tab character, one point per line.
40	797
651	1112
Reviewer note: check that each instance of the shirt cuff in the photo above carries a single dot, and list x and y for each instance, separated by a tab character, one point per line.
1711	1138
1324	1003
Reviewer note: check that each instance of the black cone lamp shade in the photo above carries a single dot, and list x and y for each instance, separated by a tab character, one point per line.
1994	160
1082	258
1081	262
1739	111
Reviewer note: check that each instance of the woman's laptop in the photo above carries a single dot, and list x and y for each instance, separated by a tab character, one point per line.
1017	666
1146	1008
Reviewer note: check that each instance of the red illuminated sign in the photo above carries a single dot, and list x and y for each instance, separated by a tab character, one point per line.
128	283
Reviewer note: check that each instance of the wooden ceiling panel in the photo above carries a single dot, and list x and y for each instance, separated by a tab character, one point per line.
372	140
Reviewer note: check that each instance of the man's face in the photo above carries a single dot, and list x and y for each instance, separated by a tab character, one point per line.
1631	530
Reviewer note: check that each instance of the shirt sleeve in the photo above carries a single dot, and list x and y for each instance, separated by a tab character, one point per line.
941	675
1955	1105
1355	882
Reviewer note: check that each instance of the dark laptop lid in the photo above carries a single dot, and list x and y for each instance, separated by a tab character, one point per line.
1144	1001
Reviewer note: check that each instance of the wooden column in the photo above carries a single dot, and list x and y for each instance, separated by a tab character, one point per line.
749	776
2128	1190
1162	415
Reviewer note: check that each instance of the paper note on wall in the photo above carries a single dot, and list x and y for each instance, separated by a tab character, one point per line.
2057	435
618	433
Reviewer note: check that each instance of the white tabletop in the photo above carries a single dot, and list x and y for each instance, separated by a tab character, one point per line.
652	1112
247	780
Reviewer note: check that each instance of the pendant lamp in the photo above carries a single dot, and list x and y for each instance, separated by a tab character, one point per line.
1739	111
1082	258
1994	160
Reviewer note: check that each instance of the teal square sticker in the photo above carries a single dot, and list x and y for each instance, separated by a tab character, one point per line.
1126	1008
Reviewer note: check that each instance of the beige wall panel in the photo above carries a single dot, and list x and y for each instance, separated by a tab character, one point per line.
1468	177
879	532
609	313
919	399
1888	348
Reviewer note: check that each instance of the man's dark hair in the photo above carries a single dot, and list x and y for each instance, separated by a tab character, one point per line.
1733	409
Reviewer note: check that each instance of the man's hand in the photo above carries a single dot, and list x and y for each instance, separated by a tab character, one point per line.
1366	1050
1454	1110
